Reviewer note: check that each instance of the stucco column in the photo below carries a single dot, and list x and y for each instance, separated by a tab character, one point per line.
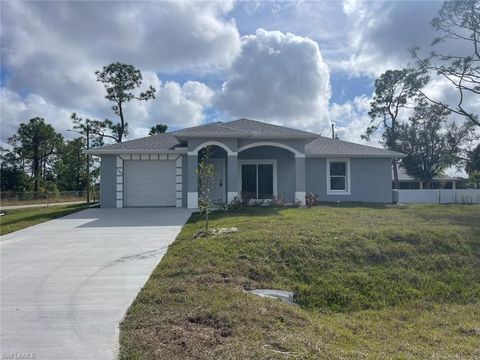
232	177
192	188
300	179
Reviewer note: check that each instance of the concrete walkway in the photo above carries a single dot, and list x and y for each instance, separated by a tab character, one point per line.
66	284
26	206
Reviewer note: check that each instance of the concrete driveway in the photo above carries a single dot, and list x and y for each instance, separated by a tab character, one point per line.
66	284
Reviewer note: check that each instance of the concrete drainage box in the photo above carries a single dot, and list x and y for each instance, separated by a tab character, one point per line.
285	296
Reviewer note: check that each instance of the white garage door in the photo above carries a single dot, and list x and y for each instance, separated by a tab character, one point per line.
149	183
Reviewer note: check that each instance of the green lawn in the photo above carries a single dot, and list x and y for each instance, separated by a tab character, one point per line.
14	220
373	282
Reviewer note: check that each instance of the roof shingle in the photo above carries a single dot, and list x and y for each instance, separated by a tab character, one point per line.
258	128
323	146
155	142
217	128
244	128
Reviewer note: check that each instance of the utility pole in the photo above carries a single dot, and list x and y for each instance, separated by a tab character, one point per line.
333	131
88	160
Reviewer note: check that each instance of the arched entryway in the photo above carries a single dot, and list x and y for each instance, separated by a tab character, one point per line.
222	157
257	171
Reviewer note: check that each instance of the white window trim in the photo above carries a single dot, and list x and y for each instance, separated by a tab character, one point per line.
273	144
347	191
210	143
257	162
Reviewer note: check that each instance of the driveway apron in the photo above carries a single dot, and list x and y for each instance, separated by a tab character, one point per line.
66	284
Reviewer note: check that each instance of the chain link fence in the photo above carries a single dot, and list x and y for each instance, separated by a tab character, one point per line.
31	197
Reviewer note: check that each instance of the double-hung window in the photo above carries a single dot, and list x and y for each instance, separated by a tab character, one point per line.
338	177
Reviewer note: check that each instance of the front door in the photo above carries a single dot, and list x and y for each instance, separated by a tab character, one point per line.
218	191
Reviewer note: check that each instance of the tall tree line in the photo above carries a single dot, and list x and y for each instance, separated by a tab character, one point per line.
424	128
40	159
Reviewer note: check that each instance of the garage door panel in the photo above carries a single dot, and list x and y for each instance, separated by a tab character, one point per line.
150	183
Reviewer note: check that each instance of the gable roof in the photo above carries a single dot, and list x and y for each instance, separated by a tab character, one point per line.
244	128
171	142
323	146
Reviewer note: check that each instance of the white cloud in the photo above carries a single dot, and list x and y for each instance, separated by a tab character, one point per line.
153	35
53	48
441	90
15	110
175	105
50	52
381	32
351	119
350	6
280	78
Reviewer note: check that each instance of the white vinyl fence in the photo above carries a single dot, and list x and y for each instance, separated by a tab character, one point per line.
437	196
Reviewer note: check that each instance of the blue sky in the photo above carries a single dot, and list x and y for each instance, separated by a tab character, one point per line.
305	64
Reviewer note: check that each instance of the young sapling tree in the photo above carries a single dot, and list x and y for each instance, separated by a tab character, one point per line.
205	172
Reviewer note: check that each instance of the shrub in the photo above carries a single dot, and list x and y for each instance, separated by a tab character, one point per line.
235	204
311	199
278	201
298	203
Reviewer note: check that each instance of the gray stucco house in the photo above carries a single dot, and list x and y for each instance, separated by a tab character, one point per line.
252	159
